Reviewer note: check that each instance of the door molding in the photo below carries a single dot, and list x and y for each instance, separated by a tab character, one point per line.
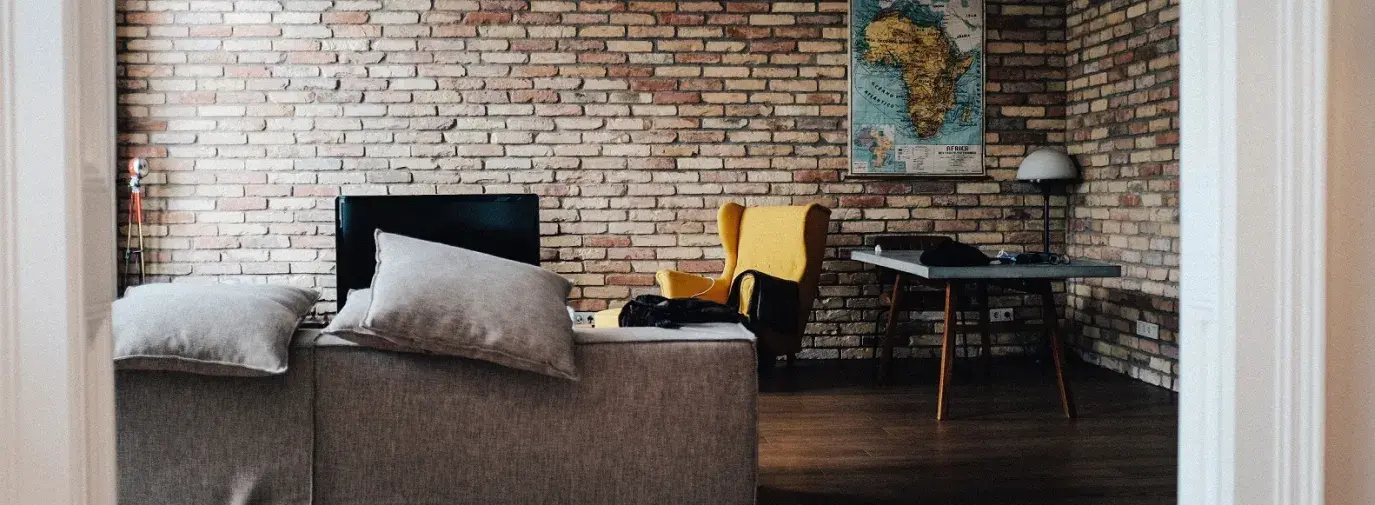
1253	227
57	251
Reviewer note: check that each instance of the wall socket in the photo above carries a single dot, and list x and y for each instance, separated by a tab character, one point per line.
999	315
1147	330
583	317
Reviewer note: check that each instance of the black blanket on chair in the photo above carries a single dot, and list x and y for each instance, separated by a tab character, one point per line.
771	304
654	310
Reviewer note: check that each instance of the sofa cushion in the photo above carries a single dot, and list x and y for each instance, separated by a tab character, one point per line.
447	300
348	325
215	329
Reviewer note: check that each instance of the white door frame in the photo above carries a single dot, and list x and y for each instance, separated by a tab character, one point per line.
1253	225
57	251
1254	230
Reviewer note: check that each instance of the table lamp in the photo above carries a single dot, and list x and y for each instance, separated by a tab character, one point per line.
1049	169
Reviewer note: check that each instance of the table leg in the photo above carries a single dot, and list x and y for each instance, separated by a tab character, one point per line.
986	348
947	349
885	361
1052	325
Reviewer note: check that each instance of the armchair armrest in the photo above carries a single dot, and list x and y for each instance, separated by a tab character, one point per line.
675	284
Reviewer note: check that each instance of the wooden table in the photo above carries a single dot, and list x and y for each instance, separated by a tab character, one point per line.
1034	279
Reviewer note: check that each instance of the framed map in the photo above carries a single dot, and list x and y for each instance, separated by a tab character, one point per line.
917	87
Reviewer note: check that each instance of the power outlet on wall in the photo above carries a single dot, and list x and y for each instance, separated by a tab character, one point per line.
1147	330
583	317
999	315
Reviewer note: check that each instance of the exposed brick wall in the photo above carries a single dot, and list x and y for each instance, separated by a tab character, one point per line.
1124	132
633	120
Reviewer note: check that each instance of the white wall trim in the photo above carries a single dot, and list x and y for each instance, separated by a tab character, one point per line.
1302	165
1208	142
9	289
57	232
1253	225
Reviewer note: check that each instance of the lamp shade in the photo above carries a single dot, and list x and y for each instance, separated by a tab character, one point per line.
1046	164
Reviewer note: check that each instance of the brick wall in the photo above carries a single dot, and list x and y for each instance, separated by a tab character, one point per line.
1123	128
633	120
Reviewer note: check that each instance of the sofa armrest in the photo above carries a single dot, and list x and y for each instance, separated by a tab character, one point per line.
711	332
675	284
659	416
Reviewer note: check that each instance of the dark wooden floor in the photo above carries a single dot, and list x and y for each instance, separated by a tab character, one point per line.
827	434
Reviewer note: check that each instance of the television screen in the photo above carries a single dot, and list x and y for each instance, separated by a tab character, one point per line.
501	225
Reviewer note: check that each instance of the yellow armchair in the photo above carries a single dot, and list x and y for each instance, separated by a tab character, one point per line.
675	284
784	242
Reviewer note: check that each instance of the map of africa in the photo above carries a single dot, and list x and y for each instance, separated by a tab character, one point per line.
916	91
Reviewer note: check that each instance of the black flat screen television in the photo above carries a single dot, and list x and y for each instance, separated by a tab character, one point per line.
501	225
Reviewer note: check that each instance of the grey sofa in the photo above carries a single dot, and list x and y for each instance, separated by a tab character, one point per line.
660	416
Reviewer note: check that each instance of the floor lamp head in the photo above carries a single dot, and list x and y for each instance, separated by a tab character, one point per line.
1048	168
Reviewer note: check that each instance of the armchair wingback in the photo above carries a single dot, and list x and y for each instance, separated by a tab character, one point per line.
785	242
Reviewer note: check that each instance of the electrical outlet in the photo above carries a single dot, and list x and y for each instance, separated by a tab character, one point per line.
1147	330
583	317
999	315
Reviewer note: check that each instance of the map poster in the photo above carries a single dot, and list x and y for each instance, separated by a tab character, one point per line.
917	87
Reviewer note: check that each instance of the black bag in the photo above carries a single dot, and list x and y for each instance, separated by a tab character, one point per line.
954	254
654	310
772	305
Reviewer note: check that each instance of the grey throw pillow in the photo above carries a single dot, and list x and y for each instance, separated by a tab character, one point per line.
348	324
215	329
440	299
